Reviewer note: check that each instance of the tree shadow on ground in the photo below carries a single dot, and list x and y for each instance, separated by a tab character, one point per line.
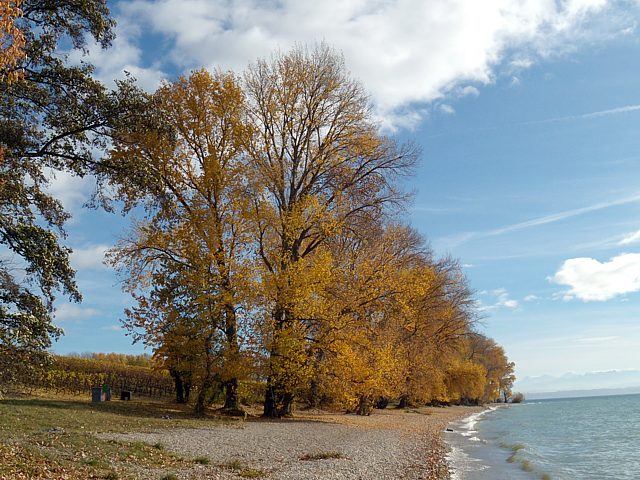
133	408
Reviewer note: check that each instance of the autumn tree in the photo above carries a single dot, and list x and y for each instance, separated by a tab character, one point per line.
360	337
465	380
11	40
192	249
434	313
321	166
393	319
162	320
500	375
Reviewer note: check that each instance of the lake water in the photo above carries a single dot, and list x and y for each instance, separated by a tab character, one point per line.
566	439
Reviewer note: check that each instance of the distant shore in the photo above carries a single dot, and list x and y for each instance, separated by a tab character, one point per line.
389	444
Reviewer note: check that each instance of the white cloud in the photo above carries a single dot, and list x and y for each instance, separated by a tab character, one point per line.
459	239
502	300
72	191
112	328
521	63
556	217
596	339
598	114
530	298
630	238
405	51
591	280
468	91
70	313
448	109
90	257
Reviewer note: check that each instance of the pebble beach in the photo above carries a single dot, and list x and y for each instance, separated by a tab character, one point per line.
389	444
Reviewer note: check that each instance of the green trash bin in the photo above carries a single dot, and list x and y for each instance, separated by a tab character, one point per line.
106	393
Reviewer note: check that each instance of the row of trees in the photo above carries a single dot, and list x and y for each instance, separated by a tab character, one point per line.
268	249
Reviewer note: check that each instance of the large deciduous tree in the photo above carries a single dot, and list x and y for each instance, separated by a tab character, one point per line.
193	246
52	115
321	166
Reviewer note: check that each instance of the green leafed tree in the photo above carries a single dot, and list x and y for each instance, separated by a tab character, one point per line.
53	117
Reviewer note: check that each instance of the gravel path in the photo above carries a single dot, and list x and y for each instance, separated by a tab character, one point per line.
389	444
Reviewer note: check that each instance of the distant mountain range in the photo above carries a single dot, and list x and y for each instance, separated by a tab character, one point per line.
611	382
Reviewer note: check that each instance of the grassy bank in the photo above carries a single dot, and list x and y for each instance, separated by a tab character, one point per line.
44	438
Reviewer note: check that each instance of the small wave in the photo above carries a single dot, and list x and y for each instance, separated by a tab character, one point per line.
514	447
461	463
470	422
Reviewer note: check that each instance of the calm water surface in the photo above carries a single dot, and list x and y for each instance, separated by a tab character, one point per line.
566	439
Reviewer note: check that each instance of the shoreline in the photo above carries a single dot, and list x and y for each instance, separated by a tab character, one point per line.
472	457
453	428
389	444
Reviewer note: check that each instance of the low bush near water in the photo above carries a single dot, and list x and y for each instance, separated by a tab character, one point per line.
517	398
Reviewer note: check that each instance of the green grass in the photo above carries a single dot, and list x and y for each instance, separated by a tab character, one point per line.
233	465
251	473
201	460
55	438
242	471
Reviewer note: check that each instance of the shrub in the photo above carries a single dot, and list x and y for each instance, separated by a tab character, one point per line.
517	398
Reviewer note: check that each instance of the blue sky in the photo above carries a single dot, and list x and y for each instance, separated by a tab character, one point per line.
528	114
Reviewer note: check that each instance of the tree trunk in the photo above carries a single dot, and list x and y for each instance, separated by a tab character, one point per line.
204	395
187	390
177	380
286	410
364	406
314	399
273	395
202	402
231	401
404	401
270	405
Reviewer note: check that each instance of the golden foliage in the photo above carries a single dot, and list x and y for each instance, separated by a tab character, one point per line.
267	249
11	40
